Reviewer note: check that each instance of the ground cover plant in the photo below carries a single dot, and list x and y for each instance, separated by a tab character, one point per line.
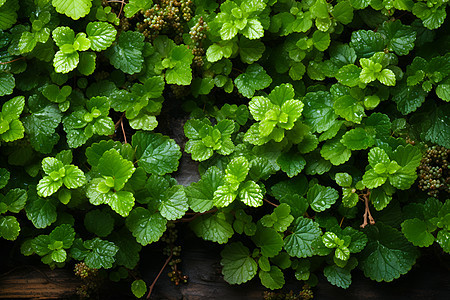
321	131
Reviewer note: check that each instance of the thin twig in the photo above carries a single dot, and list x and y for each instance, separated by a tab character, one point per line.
367	214
271	203
123	132
159	274
342	221
196	215
8	62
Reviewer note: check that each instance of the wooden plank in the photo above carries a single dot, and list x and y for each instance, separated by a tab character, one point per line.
29	282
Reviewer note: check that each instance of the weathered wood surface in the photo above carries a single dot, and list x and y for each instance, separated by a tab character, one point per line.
429	280
29	282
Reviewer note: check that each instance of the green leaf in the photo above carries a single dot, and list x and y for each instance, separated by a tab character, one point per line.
433	124
101	254
128	254
336	152
343	12
4	177
101	35
250	51
321	198
299	242
366	43
273	279
238	266
416	231
8	15
408	98
292	163
269	240
321	40
387	254
145	226
64	234
251	194
200	194
112	164
40	127
126	54
41	212
337	276
400	38
213	227
174	203
357	139
133	6
349	108
253	30
349	75
255	78
7	83
443	239
318	111
9	228
65	62
156	154
138	287
99	222
14	201
74	9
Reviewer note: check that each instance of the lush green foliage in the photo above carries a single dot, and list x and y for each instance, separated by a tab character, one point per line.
303	115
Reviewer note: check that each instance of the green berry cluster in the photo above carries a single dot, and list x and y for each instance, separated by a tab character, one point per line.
170	237
166	16
433	171
198	34
305	294
90	280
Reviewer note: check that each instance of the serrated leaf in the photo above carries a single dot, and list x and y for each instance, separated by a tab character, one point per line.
99	222
74	9
443	239
318	111
337	276
138	288
238	266
128	254
321	198
336	152
349	108
357	139
269	240
400	37
112	164
387	254
255	78
7	83
101	35
65	62
41	212
299	242
292	163
133	6
215	228
343	12
250	51
145	226
273	279
416	231
101	254
366	42
126	54
14	201
156	154
251	194
200	194
9	227
174	203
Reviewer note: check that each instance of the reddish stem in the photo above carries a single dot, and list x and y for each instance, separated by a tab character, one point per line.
194	216
271	203
159	274
8	62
